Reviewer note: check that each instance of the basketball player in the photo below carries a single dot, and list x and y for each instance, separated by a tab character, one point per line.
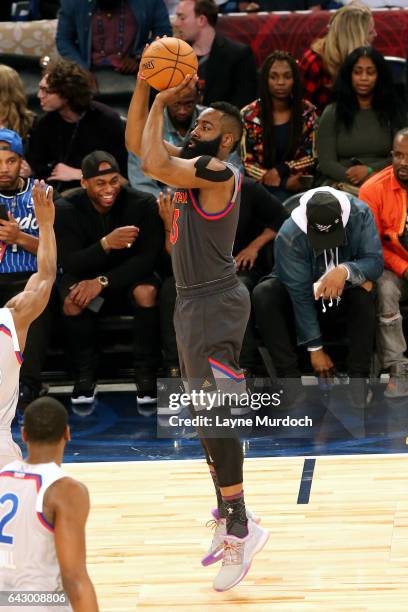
18	314
42	517
212	307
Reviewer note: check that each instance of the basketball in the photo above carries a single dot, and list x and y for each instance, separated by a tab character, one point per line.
167	61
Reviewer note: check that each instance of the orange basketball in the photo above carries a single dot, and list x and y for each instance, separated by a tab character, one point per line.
167	61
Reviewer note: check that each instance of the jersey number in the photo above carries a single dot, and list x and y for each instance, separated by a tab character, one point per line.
8	497
174	229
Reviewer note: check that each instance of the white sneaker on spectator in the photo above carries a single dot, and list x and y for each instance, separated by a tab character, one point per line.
238	556
146	386
216	551
84	392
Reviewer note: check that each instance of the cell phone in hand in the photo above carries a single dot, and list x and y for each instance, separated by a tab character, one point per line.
3	212
96	304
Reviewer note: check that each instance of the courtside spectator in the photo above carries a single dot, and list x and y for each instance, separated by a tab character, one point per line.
226	69
18	249
14	113
327	254
350	27
179	118
386	195
279	129
109	238
355	134
107	37
73	126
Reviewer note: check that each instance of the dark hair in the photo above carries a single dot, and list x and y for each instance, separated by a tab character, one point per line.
296	102
385	101
71	82
45	421
209	9
232	117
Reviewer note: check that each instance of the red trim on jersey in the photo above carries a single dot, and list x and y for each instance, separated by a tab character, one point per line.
223	368
218	215
38	481
5	329
44	522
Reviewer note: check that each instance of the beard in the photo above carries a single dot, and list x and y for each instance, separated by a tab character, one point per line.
200	147
108	5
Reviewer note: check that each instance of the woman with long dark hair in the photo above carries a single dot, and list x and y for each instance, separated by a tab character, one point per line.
279	129
355	133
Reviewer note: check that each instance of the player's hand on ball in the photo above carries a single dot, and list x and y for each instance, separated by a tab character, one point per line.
43	203
171	95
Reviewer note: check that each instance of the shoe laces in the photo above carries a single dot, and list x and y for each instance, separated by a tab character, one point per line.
212	524
215	525
233	553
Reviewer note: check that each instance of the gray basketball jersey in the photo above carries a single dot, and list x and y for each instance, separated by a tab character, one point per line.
202	242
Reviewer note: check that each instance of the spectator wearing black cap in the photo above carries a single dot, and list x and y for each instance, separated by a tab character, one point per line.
73	126
109	238
327	257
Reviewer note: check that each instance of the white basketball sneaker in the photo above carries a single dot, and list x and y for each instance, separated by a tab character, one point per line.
238	555
216	551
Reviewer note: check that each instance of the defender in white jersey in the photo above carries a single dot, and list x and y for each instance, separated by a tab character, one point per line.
18	314
43	513
10	361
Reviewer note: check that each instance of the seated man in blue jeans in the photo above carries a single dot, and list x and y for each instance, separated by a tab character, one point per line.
109	238
327	257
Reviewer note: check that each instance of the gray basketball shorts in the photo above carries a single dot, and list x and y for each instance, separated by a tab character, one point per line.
210	329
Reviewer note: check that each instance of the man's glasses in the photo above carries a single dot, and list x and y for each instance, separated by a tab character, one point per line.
45	91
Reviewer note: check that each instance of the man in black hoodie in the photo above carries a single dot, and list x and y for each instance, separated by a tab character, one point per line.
109	238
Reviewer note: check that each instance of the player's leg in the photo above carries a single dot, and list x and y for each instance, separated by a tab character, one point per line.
194	367
244	538
80	331
146	334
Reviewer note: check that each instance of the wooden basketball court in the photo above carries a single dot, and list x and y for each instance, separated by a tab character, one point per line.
346	549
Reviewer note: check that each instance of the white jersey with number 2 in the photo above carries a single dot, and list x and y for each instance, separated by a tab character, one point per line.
28	559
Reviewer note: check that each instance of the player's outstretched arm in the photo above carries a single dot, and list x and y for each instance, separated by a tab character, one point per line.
69	501
29	304
137	116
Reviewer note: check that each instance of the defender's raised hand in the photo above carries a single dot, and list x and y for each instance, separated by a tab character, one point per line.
43	203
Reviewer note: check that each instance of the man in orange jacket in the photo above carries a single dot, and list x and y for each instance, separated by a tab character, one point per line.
387	195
